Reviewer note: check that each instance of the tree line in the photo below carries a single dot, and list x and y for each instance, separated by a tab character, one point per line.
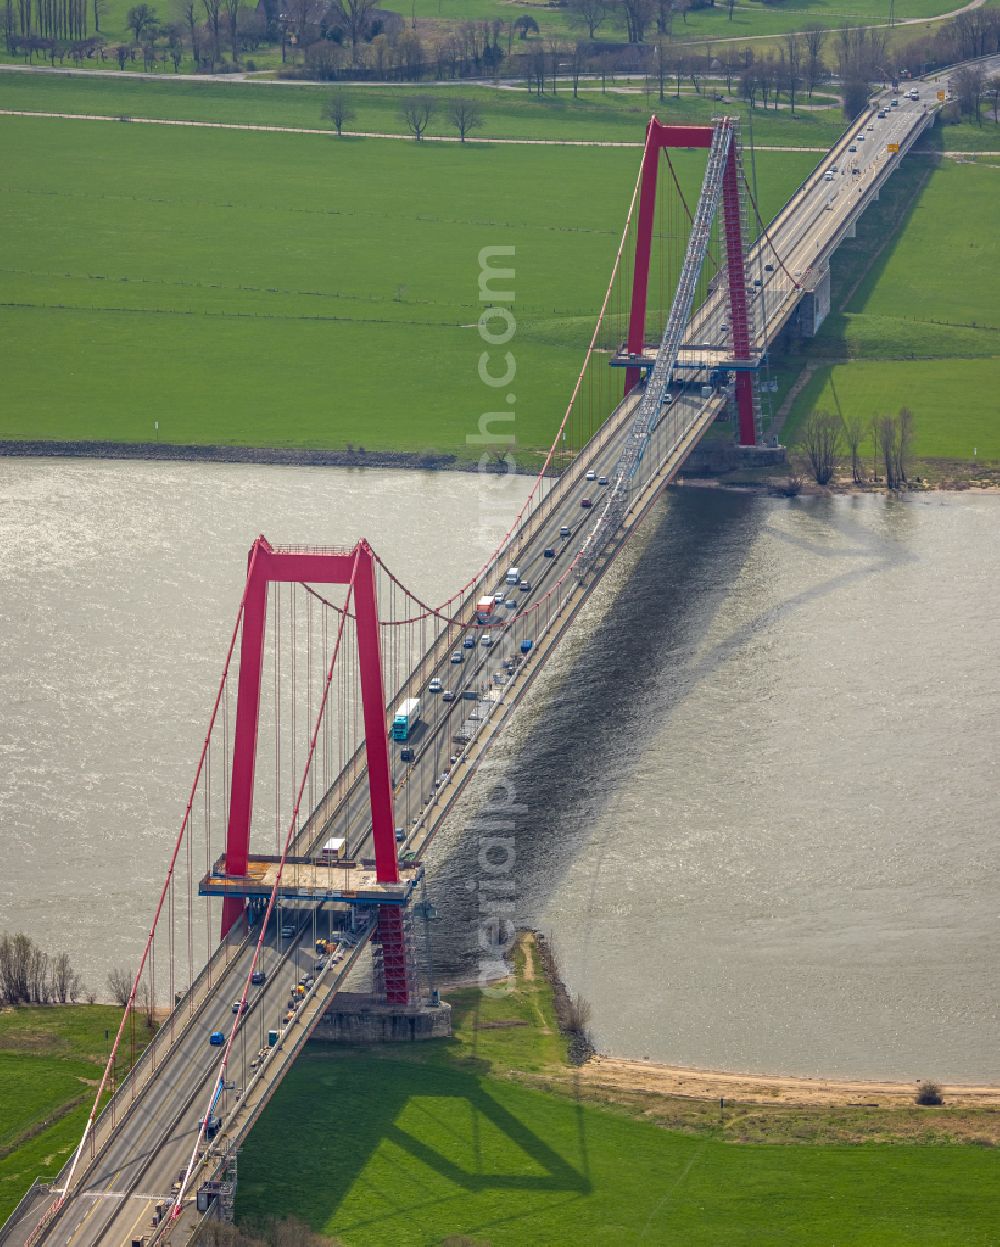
826	435
328	40
464	115
31	976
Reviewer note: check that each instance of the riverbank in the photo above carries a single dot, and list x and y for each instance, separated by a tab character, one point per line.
276	456
602	1075
959	479
488	1134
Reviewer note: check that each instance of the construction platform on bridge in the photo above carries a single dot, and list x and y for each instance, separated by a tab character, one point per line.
692	357
307	879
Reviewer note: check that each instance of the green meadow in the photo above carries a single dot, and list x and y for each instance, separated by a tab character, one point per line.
493	1136
377	1149
51	1061
921	325
507	113
294	290
457	1142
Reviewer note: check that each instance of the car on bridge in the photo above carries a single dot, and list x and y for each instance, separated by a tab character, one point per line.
591	475
486	642
469	643
602	480
585	502
257	978
435	686
447	695
458	656
406	755
565	531
240	1006
216	1039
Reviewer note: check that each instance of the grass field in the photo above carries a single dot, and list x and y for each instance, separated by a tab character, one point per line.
51	1060
922	327
506	113
412	1145
289	290
490	1135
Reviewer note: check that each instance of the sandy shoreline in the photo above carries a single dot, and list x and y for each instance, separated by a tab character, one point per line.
616	1074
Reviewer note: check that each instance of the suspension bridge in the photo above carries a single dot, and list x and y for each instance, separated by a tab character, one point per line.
302	842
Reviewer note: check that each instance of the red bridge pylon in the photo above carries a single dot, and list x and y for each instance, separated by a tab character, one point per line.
356	568
658	138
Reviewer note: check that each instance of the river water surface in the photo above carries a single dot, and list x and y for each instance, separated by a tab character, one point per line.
754	793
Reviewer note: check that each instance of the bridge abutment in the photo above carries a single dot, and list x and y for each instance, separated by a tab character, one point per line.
359	1019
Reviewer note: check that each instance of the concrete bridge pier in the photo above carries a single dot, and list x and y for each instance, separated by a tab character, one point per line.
360	1019
814	306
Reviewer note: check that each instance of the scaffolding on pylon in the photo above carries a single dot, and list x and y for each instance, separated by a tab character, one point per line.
395	973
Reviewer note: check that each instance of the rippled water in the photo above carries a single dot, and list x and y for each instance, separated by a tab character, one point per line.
759	791
755	791
119	584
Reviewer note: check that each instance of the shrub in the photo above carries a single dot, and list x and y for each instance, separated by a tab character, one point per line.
929	1093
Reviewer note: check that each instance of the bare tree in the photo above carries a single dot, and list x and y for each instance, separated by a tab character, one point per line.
821	440
213	9
904	441
969	85
637	15
589	13
873	430
65	980
895	440
338	110
465	115
28	975
357	19
417	113
576	62
793	66
992	89
854	433
189	16
815	70
15	974
144	1002
120	985
232	8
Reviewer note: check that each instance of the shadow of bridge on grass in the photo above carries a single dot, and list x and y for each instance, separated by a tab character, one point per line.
359	1139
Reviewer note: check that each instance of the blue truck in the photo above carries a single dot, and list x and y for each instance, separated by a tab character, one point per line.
406	718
